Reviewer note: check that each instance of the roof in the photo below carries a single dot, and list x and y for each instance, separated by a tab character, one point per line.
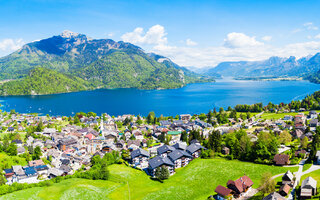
281	159
139	152
8	171
41	167
237	183
246	181
288	174
222	191
164	149
286	188
159	161
174	132
36	162
180	145
274	196
30	171
176	154
309	181
194	147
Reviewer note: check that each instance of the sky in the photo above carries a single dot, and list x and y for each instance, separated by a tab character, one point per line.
197	33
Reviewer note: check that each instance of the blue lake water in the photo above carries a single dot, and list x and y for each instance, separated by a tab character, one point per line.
194	98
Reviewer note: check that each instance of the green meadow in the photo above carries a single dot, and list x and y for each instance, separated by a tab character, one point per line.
196	181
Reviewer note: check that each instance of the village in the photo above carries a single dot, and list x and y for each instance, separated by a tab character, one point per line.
158	146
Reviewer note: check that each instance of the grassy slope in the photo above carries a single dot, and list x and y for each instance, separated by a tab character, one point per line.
7	161
196	181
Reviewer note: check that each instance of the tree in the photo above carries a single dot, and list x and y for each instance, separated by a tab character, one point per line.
37	153
150	117
39	127
267	184
12	149
285	137
304	142
184	136
162	173
215	140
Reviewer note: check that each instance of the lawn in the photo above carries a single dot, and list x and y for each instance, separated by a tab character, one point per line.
280	115
7	161
199	179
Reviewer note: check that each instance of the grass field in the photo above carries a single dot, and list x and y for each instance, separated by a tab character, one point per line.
196	181
280	115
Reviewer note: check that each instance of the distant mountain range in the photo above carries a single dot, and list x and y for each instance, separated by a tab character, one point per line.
273	67
92	63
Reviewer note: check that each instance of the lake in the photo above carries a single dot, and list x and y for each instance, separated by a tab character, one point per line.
194	98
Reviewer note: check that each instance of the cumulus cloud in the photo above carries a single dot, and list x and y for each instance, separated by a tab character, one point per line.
189	42
11	44
237	40
267	38
236	47
156	35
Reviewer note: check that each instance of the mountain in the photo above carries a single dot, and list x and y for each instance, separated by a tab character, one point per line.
102	63
272	67
44	81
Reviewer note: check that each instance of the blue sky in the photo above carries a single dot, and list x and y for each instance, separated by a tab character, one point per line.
191	33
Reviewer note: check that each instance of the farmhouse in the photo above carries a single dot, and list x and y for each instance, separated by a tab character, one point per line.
308	188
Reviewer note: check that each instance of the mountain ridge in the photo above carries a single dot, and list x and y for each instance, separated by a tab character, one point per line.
104	63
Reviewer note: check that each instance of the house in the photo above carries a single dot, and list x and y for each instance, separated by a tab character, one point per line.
284	190
312	114
165	150
42	169
287	118
308	188
194	150
281	159
17	142
287	178
67	142
159	161
179	158
8	173
185	117
34	163
274	196
21	150
180	145
223	192
240	185
54	172
18	172
139	158
314	123
31	175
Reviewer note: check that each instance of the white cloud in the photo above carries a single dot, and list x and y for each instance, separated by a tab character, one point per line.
110	35
317	36
189	42
266	38
236	47
237	40
310	26
156	35
11	44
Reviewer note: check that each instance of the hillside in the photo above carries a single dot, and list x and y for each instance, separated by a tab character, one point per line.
103	63
272	67
43	81
196	181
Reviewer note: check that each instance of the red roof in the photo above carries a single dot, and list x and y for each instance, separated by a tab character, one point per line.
246	181
90	136
222	191
237	183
